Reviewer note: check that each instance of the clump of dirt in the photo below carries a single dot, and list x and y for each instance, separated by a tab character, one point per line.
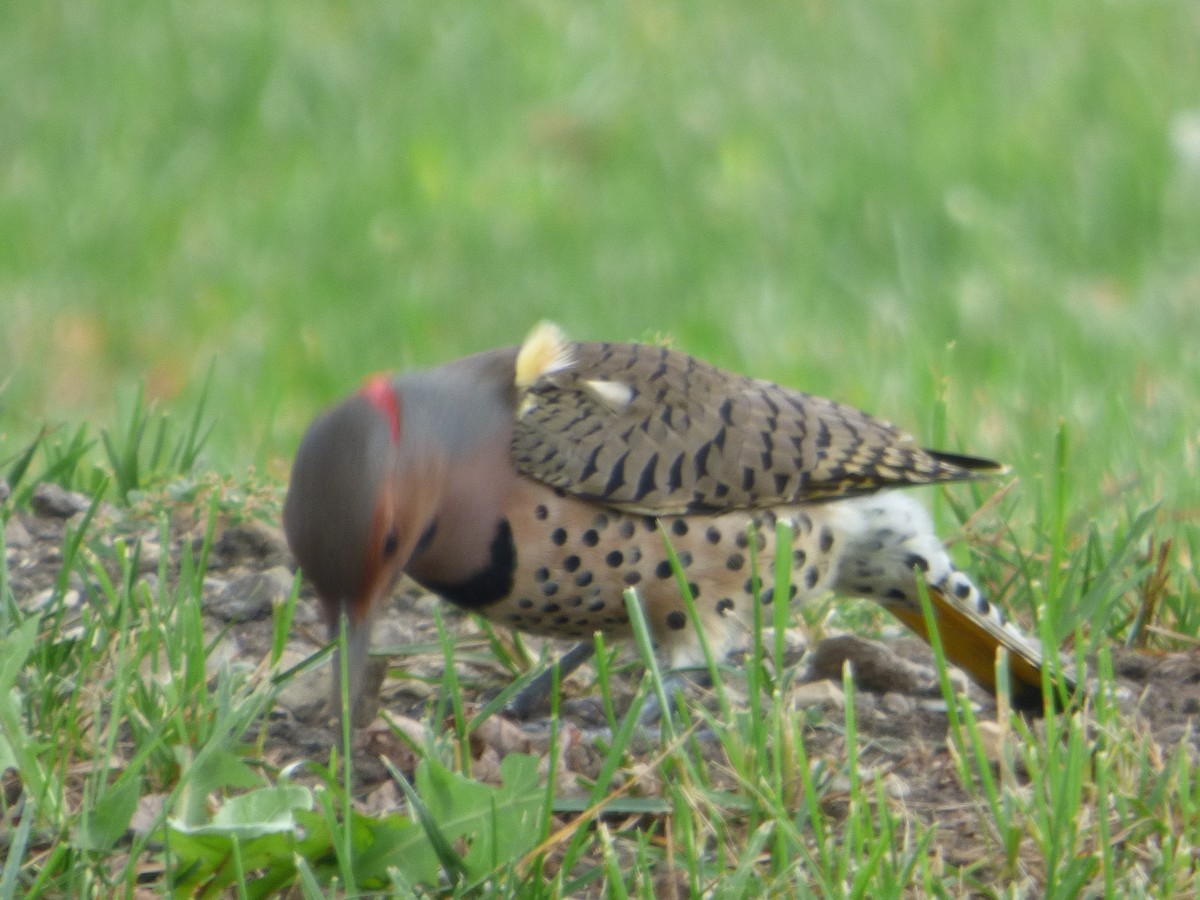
901	720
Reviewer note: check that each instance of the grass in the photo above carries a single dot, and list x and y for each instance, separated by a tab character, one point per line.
979	220
116	710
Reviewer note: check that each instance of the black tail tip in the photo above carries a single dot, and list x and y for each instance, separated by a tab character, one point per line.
1027	698
976	465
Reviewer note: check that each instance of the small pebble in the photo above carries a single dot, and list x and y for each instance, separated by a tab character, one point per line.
16	535
41	600
898	704
252	540
149	550
55	502
252	596
896	787
306	693
823	694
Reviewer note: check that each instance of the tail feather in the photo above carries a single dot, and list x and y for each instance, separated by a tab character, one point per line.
972	641
890	545
971	466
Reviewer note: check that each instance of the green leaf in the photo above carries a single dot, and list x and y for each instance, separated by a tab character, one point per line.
18	469
107	821
497	824
266	811
395	842
15	648
251	832
447	856
213	769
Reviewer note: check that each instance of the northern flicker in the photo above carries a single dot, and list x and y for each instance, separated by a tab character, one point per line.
533	485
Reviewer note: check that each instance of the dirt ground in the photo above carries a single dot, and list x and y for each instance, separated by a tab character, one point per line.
901	721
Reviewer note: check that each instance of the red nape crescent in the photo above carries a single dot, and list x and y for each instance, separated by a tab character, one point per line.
379	391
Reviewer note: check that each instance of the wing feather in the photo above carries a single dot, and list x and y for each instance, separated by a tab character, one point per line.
651	430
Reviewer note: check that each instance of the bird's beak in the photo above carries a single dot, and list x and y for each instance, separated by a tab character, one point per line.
363	675
350	669
385	561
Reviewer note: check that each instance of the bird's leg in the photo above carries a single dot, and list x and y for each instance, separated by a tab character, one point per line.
675	684
534	697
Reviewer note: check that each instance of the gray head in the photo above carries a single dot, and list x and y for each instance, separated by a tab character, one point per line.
356	507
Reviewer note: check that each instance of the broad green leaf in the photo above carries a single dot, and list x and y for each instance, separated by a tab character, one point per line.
496	824
15	648
101	827
266	811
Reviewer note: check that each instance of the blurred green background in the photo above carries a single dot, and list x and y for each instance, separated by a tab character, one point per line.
881	202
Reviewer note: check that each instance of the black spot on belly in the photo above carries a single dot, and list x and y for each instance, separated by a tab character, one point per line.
491	583
825	540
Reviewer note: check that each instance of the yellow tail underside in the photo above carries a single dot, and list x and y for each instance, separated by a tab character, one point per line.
971	645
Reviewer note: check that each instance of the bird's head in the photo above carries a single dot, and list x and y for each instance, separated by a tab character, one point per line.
362	496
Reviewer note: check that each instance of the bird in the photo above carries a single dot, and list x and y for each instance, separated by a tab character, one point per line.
535	484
